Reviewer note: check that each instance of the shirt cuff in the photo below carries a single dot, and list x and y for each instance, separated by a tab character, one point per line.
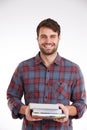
80	111
16	114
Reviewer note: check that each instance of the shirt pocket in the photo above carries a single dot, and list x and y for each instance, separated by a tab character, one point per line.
61	92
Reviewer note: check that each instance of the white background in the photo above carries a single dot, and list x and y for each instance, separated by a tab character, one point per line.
18	22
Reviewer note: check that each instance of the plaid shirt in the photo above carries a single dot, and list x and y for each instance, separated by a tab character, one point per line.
62	82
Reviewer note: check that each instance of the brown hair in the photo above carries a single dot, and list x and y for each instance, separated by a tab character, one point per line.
49	23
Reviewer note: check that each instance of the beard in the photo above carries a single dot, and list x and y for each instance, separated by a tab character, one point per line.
48	51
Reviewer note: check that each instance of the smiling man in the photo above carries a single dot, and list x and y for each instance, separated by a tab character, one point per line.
47	78
48	43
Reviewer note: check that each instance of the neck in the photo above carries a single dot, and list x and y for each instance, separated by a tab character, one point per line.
48	59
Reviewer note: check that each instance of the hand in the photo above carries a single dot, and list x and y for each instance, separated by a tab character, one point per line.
28	116
65	111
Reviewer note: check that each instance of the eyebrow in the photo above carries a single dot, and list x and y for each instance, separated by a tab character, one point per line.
52	35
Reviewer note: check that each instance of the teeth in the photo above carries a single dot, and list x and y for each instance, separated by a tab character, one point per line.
48	46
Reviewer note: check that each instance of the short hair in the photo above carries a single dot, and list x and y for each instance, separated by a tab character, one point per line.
49	23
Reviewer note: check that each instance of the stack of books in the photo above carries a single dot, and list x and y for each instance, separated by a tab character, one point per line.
49	111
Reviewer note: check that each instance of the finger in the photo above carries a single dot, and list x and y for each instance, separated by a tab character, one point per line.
64	109
27	114
60	120
29	117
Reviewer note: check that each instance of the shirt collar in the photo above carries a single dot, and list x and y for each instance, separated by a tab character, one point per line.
57	60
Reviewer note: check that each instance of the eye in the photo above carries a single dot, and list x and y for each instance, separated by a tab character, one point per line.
53	36
43	36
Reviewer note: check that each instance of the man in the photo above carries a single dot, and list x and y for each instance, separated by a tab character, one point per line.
47	78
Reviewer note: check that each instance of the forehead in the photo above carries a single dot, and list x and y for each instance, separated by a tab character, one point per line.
47	31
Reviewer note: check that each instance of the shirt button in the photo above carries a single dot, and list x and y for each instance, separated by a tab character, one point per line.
47	83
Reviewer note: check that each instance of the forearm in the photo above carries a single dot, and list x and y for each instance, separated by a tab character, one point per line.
72	110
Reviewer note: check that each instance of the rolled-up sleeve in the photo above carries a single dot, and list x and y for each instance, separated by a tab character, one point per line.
15	93
79	94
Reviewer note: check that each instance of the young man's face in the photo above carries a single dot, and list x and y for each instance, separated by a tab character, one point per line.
48	41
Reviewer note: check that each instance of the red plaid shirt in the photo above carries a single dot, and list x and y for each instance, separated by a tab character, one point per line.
62	82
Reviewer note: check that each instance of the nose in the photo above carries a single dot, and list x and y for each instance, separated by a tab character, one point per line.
48	40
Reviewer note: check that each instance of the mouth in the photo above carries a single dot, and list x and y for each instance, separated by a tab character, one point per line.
48	46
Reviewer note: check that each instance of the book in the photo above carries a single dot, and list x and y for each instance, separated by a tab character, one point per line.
48	111
43	106
48	116
53	111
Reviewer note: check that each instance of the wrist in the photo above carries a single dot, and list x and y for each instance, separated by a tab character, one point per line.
72	110
22	109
